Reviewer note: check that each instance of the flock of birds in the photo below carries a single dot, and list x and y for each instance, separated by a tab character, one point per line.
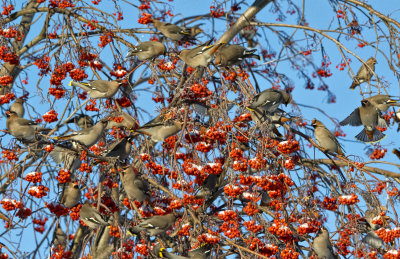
264	107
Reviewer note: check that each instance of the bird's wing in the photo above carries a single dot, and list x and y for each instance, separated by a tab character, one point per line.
25	122
353	119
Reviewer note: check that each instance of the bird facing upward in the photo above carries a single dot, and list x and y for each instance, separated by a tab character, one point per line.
365	73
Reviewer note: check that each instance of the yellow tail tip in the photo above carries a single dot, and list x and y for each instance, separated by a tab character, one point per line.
70	83
55	138
250	109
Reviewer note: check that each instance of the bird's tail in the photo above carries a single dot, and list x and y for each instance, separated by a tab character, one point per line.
250	54
370	136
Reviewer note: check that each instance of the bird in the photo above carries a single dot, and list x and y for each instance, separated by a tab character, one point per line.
134	186
269	100
64	154
373	240
171	31
199	56
368	116
325	138
365	73
91	217
195	30
147	50
383	101
121	120
99	88
159	129
18	107
83	121
202	252
208	186
322	245
71	195
59	237
120	148
158	224
230	55
22	128
88	136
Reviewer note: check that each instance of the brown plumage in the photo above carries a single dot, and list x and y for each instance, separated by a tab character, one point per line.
171	31
22	128
18	107
365	73
325	138
230	55
368	116
199	56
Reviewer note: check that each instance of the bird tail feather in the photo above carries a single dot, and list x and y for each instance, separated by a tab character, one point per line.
370	137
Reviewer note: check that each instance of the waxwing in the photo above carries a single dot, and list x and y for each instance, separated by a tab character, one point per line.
383	101
99	88
18	107
325	138
159	129
134	186
22	128
71	195
91	217
83	121
171	31
230	55
88	136
156	225
322	245
199	56
120	148
269	100
148	50
368	116
365	73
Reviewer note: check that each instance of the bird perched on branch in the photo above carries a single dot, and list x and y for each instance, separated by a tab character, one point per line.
88	136
269	100
134	186
371	238
199	56
325	138
160	128
230	55
171	31
91	217
120	148
83	121
368	116
147	50
18	107
156	225
322	245
99	88
71	195
383	101
121	120
365	73
22	128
